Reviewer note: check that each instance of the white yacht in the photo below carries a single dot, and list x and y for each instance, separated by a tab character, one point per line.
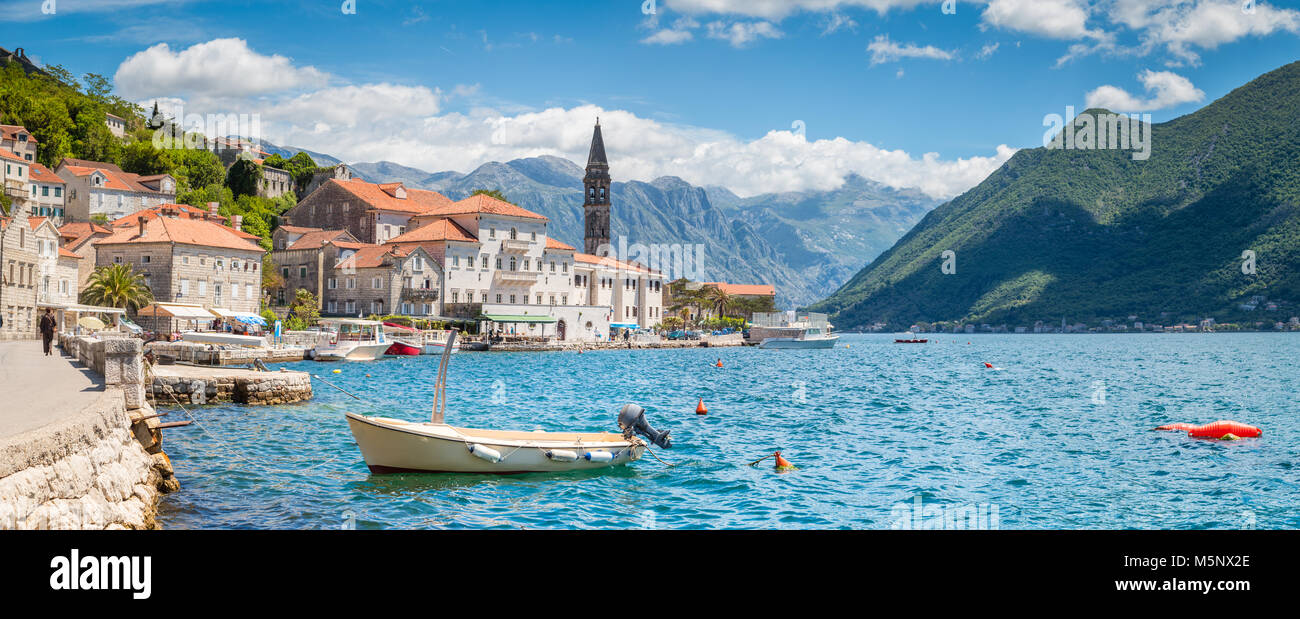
350	339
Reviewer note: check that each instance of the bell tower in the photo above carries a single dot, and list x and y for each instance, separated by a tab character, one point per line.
595	205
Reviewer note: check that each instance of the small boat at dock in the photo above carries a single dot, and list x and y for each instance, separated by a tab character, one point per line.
436	341
350	339
910	338
396	446
405	340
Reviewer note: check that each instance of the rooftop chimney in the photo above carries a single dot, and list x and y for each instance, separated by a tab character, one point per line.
140	220
239	222
212	210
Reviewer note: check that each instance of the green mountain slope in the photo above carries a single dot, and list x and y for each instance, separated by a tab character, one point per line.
1093	234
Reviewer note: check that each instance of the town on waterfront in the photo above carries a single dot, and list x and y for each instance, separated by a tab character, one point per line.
649	265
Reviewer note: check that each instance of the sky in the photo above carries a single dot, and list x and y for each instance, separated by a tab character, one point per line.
755	95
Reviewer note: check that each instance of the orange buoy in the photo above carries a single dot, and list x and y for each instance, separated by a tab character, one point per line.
701	409
719	362
988	365
781	463
1219	429
1178	427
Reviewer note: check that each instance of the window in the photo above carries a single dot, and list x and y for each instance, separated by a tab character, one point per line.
234	291
455	296
498	298
185	259
539	299
455	262
248	291
512	299
552	299
534	236
351	306
333	283
203	287
332	306
352	283
285	272
525	264
492	233
376	283
185	288
469	262
116	259
58	192
514	234
302	272
483	297
525	299
513	265
483	260
498	263
564	300
552	266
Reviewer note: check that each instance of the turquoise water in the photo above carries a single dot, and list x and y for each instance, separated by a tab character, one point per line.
1059	438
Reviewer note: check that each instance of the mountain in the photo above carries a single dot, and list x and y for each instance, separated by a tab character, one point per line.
1095	234
288	152
805	243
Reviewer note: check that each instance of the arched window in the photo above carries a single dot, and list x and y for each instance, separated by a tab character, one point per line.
514	234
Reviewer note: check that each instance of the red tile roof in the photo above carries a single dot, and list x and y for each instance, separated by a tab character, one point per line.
372	256
747	290
67	254
8	154
317	239
42	174
10	132
440	230
483	203
185	232
115	178
554	244
417	201
186	210
299	229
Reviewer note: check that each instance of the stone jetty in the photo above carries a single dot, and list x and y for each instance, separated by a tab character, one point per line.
192	385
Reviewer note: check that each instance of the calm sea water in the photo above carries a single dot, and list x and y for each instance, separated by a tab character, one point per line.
1059	438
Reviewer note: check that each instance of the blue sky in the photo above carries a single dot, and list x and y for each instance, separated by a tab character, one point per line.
704	89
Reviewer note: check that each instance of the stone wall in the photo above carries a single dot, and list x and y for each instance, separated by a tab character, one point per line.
102	468
252	388
208	354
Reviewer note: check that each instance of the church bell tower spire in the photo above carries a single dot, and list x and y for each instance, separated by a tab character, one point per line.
595	205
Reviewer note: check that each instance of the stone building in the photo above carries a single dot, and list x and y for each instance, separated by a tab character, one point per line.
19	263
116	125
275	182
96	188
47	198
57	268
305	258
596	198
373	213
79	238
187	260
340	172
19	141
384	279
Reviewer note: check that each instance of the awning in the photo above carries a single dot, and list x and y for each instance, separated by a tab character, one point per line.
247	318
510	318
82	309
624	325
175	310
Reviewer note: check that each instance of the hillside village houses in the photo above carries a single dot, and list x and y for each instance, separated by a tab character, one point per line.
19	141
480	257
103	189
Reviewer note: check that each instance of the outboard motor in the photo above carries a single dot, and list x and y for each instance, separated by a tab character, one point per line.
632	419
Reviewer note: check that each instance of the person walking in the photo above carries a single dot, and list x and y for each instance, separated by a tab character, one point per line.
47	329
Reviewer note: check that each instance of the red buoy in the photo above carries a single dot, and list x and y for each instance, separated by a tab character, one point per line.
1220	428
782	463
988	365
1178	427
701	409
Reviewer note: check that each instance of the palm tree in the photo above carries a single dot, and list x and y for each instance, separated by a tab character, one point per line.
719	300
117	285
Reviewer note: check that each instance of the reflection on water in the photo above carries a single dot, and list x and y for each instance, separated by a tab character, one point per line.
871	427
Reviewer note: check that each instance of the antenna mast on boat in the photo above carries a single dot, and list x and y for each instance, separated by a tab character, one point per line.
440	387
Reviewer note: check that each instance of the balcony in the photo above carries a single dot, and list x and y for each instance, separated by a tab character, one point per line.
516	277
514	246
17	189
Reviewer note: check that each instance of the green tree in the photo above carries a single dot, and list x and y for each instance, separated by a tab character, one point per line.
495	193
244	178
117	285
304	311
142	158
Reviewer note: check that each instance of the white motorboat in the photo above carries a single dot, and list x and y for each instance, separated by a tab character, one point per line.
436	341
396	446
350	340
807	338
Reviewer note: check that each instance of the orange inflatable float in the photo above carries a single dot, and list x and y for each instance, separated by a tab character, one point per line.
1218	429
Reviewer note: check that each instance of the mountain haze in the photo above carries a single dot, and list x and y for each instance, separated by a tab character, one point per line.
1094	234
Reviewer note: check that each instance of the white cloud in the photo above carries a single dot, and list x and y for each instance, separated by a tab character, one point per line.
1180	25
987	51
1054	19
780	9
1166	89
740	34
884	50
217	68
405	124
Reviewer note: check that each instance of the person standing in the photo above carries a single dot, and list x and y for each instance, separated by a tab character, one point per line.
47	329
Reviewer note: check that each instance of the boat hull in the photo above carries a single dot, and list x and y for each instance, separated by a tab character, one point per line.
435	348
792	343
360	352
395	446
402	349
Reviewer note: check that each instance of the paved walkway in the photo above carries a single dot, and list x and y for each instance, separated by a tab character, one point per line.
35	389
